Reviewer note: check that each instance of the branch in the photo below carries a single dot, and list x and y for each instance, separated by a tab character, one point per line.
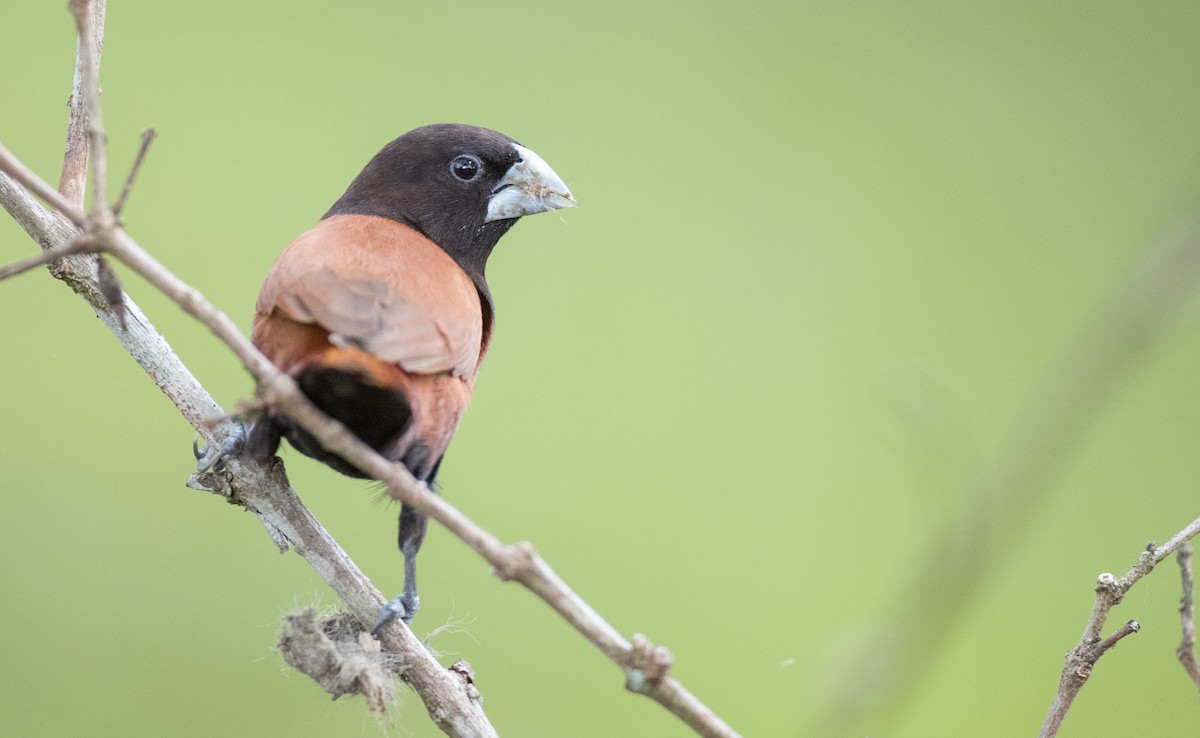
71	182
89	24
147	137
1187	616
264	489
1109	593
78	246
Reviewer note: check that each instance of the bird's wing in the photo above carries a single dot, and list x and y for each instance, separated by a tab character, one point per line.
378	285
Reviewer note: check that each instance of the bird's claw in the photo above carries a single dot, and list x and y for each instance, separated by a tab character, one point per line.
212	457
401	607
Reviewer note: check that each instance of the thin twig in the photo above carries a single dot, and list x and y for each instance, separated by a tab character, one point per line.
78	246
13	167
264	491
1109	592
147	136
1107	644
1187	616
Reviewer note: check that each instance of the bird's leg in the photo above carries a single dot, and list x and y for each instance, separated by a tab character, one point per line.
211	457
404	605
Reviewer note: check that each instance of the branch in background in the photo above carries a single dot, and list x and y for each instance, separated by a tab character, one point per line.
264	489
1187	616
1109	593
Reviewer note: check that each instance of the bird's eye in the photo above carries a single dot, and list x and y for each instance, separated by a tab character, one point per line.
466	167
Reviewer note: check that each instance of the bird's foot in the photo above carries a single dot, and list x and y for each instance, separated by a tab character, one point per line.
212	457
401	606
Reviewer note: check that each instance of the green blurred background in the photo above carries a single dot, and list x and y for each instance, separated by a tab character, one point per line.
824	256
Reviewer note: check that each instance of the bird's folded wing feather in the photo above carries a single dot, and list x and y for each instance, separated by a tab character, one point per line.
377	285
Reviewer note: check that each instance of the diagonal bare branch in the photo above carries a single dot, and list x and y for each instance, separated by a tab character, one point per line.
265	490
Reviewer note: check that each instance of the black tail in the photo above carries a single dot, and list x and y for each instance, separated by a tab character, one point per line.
378	415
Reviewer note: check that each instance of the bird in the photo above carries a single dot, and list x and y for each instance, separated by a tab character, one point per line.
382	314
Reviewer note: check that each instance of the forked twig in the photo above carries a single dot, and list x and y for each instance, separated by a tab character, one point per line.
1109	592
